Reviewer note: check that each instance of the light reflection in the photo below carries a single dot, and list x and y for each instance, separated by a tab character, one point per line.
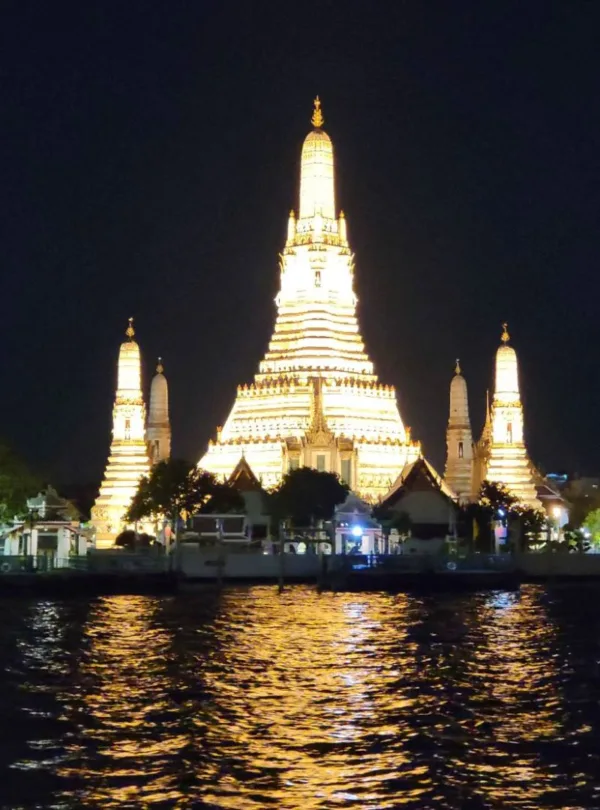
249	699
125	722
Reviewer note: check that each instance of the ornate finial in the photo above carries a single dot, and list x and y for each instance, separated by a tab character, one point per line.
317	120
342	215
159	366
457	367
505	335
130	331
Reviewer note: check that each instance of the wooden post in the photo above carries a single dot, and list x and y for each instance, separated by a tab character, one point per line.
220	560
281	555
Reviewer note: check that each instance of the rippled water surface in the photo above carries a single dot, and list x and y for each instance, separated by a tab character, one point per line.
250	699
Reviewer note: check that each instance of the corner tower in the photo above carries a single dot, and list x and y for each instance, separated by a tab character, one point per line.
158	434
128	458
459	439
508	460
316	372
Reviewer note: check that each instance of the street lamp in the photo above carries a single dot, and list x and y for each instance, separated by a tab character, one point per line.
557	511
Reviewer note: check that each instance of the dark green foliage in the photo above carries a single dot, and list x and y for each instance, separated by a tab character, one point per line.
494	496
532	523
175	488
126	540
306	496
225	498
577	540
495	502
389	519
16	485
131	541
580	504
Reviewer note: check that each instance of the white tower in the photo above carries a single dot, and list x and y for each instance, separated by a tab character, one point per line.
508	461
158	434
128	458
459	439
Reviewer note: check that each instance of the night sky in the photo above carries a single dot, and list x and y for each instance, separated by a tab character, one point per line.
150	156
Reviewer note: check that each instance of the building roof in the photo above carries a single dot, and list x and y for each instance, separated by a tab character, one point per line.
419	469
353	509
243	478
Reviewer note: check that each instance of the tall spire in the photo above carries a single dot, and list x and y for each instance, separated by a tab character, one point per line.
317	195
459	439
317	119
508	461
129	378
486	433
507	372
128	458
158	433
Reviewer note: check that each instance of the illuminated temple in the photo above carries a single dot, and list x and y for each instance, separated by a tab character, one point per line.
135	446
501	454
316	400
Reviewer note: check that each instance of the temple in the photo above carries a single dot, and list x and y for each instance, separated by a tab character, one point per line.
459	440
502	455
316	400
135	446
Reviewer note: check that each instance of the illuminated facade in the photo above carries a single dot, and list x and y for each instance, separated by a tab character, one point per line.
459	439
316	400
128	459
506	459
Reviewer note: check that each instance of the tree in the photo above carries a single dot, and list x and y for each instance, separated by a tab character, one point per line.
496	498
126	539
225	498
532	523
592	525
176	488
390	519
580	504
494	502
306	496
16	485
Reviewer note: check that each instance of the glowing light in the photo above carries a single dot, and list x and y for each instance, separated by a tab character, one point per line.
280	418
128	458
357	531
508	461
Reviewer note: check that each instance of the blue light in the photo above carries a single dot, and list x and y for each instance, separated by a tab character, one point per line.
501	512
357	531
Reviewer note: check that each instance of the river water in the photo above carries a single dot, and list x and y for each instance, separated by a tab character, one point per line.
249	699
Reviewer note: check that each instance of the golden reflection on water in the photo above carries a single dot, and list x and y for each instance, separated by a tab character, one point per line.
249	699
125	720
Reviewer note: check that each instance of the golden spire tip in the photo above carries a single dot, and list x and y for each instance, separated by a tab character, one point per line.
505	335
159	366
130	331
457	367
317	119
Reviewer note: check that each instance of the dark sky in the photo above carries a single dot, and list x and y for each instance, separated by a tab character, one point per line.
150	156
